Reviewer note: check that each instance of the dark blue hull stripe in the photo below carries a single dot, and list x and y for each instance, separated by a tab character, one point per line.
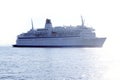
57	46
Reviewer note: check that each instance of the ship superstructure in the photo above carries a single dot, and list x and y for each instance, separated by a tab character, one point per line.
60	36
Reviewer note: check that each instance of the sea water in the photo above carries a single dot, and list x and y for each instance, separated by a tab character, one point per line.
58	64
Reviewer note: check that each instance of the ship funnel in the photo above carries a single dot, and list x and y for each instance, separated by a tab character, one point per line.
48	21
48	24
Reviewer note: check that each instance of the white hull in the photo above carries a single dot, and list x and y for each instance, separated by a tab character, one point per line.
60	42
60	36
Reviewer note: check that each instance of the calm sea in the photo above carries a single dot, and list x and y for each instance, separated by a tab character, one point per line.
58	64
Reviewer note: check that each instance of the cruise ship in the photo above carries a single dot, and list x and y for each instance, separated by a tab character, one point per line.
60	36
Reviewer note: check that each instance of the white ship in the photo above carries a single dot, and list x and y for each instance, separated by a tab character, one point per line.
60	36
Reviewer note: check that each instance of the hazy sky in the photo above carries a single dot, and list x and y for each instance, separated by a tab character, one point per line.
15	16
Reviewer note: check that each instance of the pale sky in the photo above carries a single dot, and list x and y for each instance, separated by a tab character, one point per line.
102	15
15	16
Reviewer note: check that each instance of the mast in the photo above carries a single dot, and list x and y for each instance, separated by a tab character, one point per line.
82	21
32	24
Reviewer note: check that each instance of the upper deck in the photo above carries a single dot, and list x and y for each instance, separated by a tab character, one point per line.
60	31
